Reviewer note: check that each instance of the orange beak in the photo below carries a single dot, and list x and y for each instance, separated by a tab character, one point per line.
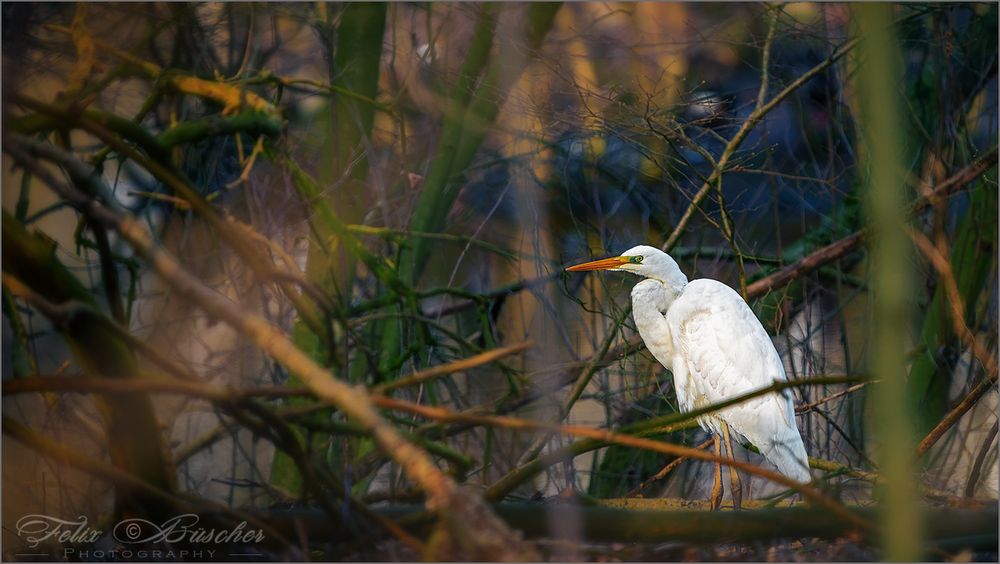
603	264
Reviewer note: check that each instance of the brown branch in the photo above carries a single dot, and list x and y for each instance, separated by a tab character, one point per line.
942	264
953	183
956	413
837	249
78	384
807	264
447	415
666	470
230	97
806	408
196	389
977	466
452	367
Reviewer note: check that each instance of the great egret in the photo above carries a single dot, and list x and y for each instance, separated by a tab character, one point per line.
708	337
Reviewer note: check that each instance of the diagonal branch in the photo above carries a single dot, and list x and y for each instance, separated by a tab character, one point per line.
442	491
751	122
837	249
451	367
943	266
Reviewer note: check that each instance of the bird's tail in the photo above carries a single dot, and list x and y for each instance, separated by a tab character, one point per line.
789	455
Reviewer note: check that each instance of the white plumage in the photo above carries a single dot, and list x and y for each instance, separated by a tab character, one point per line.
709	338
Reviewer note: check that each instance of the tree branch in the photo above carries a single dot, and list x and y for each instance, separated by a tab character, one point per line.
751	122
835	250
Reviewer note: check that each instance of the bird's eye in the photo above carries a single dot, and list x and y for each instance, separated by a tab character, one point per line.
636	259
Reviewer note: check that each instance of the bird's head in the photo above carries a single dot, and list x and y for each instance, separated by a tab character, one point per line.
642	260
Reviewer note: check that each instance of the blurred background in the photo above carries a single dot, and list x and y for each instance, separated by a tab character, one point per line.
400	186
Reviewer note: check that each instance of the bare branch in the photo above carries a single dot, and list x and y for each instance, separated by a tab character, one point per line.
835	250
751	122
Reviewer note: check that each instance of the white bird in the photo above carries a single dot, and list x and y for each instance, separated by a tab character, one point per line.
716	348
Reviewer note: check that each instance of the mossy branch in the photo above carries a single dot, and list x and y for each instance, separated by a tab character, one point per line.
232	98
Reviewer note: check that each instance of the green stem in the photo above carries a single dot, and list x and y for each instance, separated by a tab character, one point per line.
892	275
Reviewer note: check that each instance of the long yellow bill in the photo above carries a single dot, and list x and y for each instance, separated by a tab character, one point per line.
603	264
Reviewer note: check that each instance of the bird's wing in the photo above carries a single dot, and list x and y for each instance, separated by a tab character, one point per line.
728	353
722	340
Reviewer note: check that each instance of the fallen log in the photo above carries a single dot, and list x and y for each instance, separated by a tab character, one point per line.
956	528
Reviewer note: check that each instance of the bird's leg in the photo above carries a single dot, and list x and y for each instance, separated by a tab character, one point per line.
734	475
716	500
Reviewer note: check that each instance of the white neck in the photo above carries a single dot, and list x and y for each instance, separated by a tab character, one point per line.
654	295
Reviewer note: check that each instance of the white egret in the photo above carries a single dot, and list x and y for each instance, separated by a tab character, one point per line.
707	336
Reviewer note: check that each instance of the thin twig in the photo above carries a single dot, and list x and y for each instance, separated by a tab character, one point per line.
765	64
977	466
942	264
247	168
452	367
956	413
806	408
751	122
666	470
